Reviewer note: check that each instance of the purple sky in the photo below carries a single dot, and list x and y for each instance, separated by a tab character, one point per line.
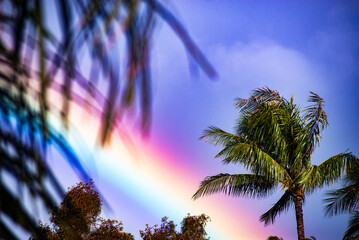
290	46
293	47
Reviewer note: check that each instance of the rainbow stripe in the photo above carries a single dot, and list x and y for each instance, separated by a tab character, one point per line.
144	179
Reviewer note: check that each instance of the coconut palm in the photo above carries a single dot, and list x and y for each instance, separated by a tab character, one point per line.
346	200
274	141
44	48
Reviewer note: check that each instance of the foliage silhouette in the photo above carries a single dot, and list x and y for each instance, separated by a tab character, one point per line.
274	140
193	228
40	74
77	217
274	238
346	200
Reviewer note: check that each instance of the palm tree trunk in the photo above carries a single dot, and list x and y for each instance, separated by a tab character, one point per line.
298	203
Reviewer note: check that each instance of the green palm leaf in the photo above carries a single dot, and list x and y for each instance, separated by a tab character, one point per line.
239	149
259	96
254	159
342	200
217	136
353	231
236	185
281	205
316	121
346	199
328	171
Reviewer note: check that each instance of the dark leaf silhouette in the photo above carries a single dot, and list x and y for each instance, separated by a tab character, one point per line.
38	62
346	200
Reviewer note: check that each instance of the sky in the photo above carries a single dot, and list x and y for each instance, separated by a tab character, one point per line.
291	46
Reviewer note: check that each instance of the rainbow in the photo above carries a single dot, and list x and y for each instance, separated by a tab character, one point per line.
144	179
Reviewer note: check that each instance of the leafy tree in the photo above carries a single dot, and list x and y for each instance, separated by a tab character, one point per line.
167	230
36	60
77	217
110	229
274	238
274	140
346	200
192	228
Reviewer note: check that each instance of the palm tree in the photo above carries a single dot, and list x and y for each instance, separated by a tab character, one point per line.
346	200
274	140
41	51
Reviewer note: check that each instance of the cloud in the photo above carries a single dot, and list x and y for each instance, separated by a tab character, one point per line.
265	63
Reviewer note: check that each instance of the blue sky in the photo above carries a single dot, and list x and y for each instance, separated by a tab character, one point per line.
291	46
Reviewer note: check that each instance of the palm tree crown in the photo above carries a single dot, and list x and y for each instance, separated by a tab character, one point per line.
274	141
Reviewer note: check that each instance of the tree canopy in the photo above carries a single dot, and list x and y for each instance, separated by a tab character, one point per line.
78	217
192	228
274	140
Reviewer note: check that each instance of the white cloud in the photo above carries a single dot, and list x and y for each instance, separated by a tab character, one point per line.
264	63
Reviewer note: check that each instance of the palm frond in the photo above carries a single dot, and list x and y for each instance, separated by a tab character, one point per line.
254	159
259	95
6	232
273	128
353	230
345	199
23	159
342	200
94	26
184	36
281	205
34	60
235	185
316	120
11	206
328	171
217	136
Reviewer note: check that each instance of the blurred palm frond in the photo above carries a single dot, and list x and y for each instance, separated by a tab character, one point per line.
44	48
